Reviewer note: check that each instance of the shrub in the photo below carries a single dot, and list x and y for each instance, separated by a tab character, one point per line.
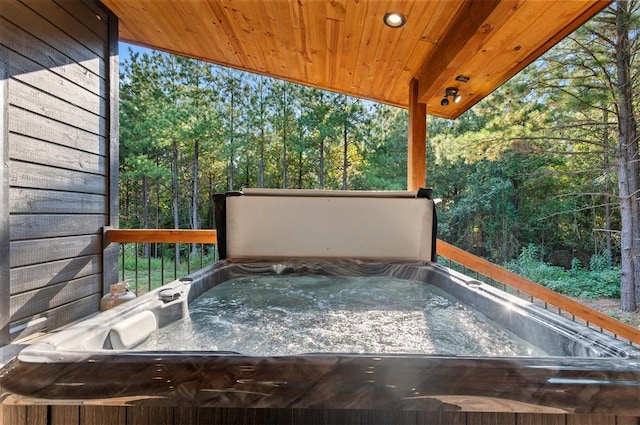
599	281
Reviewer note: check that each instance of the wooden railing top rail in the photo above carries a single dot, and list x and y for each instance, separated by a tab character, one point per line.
161	236
535	290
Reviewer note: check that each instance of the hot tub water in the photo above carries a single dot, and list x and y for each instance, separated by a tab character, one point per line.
284	315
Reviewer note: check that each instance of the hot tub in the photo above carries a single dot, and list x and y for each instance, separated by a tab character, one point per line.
573	369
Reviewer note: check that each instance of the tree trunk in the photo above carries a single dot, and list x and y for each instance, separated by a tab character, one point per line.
261	164
145	212
247	171
321	167
285	119
345	159
157	224
627	182
211	223
300	170
176	216
231	144
607	188
125	199
194	191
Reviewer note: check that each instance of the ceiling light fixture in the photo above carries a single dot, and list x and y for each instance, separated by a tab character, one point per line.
394	20
453	93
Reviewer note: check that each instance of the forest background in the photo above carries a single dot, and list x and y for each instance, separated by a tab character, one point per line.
541	176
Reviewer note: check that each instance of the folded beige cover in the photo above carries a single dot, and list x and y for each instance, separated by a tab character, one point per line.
322	224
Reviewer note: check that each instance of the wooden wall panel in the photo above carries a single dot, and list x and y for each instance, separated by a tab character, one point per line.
87	14
30	303
627	420
56	37
64	415
4	204
103	415
450	418
25	415
72	25
26	97
540	419
36	251
29	46
143	415
591	420
31	150
35	226
55	317
474	418
31	201
45	80
43	128
37	176
58	136
37	276
185	415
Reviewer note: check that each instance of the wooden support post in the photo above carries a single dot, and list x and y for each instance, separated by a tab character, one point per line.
416	158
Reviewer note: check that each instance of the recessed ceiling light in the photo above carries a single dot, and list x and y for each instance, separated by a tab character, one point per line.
394	20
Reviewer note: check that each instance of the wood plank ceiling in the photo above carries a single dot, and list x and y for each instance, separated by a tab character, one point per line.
343	45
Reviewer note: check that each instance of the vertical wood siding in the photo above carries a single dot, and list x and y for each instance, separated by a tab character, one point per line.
4	205
138	415
59	123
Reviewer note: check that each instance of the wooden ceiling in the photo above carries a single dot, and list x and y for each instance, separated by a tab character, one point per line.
343	45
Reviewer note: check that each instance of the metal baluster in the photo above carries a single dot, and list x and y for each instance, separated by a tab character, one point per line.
135	249
162	263
123	246
149	269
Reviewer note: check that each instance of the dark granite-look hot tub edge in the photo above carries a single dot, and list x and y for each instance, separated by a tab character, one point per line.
586	372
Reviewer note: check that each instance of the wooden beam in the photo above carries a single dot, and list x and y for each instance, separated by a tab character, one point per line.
529	287
161	236
466	26
416	155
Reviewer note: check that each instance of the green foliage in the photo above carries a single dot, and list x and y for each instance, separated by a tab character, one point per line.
600	262
601	281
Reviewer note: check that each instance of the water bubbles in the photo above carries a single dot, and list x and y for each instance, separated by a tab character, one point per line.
279	315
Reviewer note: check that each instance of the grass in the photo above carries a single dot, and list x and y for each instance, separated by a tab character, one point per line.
152	272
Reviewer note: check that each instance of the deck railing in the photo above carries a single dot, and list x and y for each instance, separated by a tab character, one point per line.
153	254
456	258
508	281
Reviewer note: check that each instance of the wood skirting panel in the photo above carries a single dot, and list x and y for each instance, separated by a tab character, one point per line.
60	60
119	415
